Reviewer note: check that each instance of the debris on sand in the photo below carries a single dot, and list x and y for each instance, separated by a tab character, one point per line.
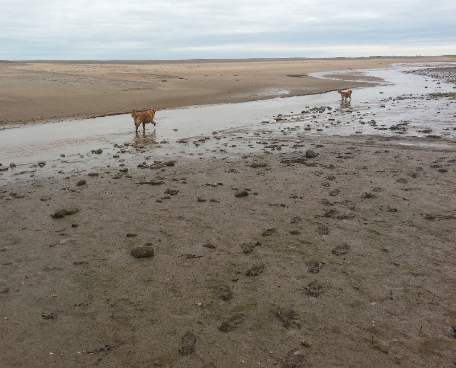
311	154
64	212
224	292
341	250
49	315
232	323
142	252
255	270
248	248
188	344
295	359
288	317
241	193
171	192
151	182
81	182
314	289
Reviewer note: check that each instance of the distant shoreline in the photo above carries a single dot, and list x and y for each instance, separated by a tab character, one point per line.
191	61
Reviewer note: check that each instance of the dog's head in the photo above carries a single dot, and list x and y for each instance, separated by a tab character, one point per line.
133	114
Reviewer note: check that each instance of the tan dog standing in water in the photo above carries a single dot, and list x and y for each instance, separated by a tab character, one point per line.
144	117
346	94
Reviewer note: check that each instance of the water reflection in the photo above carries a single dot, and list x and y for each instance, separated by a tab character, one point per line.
144	139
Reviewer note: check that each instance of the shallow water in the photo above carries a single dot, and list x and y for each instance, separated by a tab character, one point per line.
48	140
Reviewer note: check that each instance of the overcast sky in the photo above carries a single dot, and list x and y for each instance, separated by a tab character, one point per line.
176	29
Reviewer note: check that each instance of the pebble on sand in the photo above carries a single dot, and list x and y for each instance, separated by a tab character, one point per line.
142	252
64	212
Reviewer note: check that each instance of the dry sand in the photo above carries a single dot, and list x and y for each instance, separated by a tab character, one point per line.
43	91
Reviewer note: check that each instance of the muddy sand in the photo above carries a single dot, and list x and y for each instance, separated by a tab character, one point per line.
53	90
265	247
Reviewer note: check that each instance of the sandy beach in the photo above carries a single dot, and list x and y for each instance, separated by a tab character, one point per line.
49	91
318	237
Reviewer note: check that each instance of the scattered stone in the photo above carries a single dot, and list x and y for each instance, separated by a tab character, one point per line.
241	193
367	195
172	192
334	192
42	163
232	323
81	182
269	232
314	266
93	174
257	165
49	315
295	359
142	252
248	248
311	154
323	229
288	317
64	212
341	250
188	344
314	289
151	182
97	151
209	245
131	235
255	270
224	292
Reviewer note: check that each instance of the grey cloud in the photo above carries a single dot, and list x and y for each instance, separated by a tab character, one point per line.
208	28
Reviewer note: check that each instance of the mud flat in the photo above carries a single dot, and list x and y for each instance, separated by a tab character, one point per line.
266	245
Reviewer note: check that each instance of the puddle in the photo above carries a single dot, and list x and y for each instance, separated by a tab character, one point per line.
397	101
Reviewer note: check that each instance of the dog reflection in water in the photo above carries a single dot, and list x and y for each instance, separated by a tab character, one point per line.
345	104
144	139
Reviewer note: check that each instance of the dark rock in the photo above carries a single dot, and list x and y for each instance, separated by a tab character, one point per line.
49	316
341	250
295	359
311	154
255	270
64	212
241	193
269	232
142	252
97	151
232	323
224	292
314	289
334	192
151	182
209	245
288	317
314	266
188	344
81	182
248	248
172	192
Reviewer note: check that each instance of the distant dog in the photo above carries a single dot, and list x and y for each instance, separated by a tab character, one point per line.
144	117
346	94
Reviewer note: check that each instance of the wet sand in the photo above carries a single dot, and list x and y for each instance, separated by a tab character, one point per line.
47	91
262	246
